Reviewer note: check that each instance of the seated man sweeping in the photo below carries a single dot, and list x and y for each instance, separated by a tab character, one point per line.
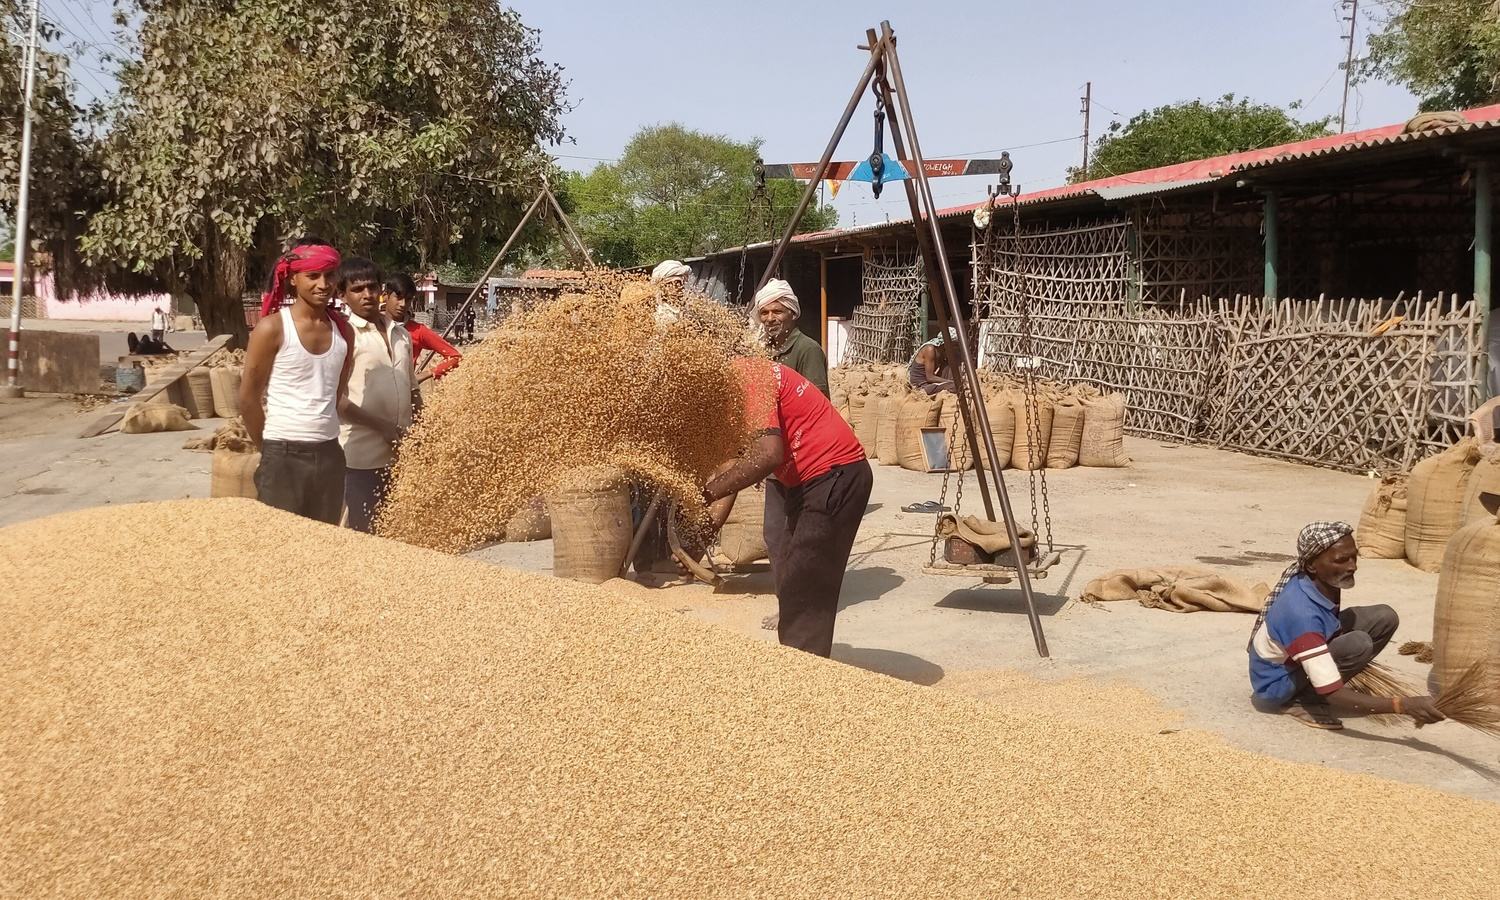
1304	646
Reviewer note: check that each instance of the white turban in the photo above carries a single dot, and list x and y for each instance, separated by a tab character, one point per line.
670	268
776	290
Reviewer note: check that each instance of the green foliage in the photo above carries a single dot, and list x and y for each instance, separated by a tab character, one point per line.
677	193
404	129
1192	130
1447	52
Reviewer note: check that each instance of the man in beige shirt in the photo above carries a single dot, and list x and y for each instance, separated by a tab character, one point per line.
382	394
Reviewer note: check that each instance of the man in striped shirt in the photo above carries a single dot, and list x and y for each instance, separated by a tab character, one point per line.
1305	646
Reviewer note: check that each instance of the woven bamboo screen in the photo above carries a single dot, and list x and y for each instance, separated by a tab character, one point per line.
883	328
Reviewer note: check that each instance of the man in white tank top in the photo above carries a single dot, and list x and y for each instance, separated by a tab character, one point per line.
377	409
296	374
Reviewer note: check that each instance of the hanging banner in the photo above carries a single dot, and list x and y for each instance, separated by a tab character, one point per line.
841	171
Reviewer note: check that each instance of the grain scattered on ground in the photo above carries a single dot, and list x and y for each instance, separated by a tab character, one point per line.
1091	701
276	706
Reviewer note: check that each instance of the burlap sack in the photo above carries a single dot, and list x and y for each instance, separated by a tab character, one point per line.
152	417
1382	523
530	523
225	381
888	418
960	456
917	411
1435	495
999	408
868	427
199	395
1029	448
1067	434
742	540
233	474
1466	618
1103	443
1485	480
857	401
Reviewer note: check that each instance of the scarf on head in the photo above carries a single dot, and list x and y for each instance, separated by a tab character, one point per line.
775	291
1311	543
670	268
311	258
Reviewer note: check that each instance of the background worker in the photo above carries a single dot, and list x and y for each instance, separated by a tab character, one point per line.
158	325
776	310
296	372
1305	646
930	371
400	295
377	408
816	495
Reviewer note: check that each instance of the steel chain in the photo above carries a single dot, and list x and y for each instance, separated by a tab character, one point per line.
1035	473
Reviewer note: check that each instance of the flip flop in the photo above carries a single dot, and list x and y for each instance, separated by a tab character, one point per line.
1315	717
926	506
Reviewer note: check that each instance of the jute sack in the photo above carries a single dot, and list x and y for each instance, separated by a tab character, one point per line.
918	411
1029	450
1067	434
225	381
999	408
530	523
960	456
1103	443
199	394
1466	618
1382	523
742	540
145	418
868	427
591	527
1435	495
233	474
856	409
888	418
1485	480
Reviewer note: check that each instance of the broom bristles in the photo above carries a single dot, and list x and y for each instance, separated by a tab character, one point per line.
1473	698
1422	650
1380	680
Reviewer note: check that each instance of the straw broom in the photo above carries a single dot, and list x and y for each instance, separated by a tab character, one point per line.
1380	680
1472	699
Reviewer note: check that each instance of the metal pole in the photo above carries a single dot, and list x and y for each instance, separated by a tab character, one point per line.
876	52
924	190
1348	65
23	199
1088	102
1483	268
494	263
1271	288
567	225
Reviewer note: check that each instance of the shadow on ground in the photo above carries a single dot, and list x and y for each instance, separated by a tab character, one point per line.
1003	599
889	662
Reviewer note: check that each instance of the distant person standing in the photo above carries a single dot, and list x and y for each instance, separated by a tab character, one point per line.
158	325
777	311
400	295
296	372
377	408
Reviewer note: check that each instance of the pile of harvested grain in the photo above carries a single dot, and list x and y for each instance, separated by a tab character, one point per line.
596	378
411	723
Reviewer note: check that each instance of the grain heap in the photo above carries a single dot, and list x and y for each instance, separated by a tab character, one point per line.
590	379
315	732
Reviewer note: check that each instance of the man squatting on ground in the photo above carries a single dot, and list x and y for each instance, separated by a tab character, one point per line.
400	294
377	408
296	373
776	310
1304	647
816	495
930	370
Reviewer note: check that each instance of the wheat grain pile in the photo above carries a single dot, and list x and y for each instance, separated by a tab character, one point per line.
276	706
597	378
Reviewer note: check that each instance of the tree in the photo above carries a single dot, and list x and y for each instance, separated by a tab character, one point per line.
1447	52
1192	130
405	129
677	193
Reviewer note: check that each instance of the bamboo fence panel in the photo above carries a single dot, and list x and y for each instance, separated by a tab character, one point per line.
884	326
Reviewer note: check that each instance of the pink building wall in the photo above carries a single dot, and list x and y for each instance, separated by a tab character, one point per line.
100	306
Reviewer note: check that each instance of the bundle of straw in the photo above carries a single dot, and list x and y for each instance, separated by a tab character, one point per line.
1380	680
1422	650
1473	699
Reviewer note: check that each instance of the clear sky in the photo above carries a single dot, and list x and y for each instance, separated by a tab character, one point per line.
983	76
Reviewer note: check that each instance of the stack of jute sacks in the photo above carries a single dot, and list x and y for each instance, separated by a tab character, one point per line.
206	392
1071	425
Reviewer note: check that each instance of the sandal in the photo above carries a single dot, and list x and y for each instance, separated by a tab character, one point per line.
1315	715
926	506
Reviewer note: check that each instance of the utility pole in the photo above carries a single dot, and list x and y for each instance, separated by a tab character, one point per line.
1353	6
1088	102
13	355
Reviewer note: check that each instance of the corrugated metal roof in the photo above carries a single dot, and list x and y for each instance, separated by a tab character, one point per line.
1378	141
1127	191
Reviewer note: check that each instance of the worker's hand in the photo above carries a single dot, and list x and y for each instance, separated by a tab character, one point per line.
1421	708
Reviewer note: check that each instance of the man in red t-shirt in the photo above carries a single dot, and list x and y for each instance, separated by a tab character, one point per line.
400	292
815	497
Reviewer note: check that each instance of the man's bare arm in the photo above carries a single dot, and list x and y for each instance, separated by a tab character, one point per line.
260	356
764	456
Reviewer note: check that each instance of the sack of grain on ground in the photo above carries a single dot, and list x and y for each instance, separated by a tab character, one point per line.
1466	616
146	418
420	724
1177	588
199	393
888	417
1103	443
1435	494
225	383
1382	523
591	525
233	474
867	428
917	412
530	523
1485	479
1033	432
742	540
960	455
1066	439
999	408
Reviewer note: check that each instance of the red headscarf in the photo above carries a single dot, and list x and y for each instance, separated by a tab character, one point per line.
307	258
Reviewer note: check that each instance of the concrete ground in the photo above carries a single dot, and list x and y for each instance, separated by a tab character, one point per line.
1175	505
112	343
